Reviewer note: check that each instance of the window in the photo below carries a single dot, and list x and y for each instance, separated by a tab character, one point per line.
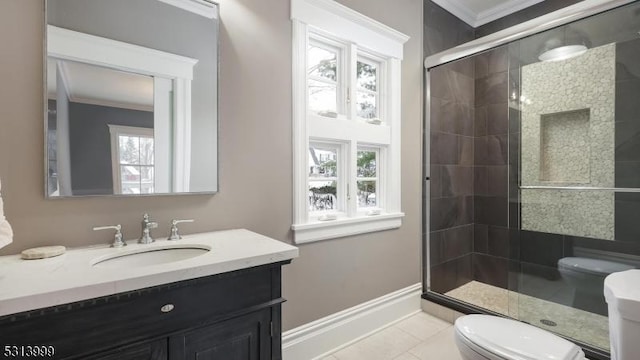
367	88
367	178
346	122
324	80
323	179
132	157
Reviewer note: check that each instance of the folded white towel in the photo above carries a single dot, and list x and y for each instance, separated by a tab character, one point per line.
6	233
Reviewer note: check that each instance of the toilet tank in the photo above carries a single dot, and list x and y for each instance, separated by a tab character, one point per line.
622	292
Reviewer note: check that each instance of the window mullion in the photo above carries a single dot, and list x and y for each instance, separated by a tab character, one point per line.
351	84
352	181
382	172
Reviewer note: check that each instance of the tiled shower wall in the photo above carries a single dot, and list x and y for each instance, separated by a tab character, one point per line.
451	137
514	258
491	129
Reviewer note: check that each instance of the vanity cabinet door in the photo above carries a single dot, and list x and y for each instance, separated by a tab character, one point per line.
152	350
245	337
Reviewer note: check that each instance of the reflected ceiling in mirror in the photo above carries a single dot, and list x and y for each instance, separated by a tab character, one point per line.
131	97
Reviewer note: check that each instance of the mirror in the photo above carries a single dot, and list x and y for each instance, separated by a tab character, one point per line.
131	97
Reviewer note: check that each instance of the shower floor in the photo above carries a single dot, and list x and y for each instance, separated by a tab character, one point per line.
581	325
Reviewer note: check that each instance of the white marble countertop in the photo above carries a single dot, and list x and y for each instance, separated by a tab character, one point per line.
34	284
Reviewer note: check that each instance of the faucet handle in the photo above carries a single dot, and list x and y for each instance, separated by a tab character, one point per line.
175	235
117	241
176	222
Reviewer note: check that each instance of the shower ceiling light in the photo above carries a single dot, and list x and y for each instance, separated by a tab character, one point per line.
562	53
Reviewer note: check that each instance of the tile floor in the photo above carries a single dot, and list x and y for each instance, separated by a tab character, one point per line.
418	337
574	323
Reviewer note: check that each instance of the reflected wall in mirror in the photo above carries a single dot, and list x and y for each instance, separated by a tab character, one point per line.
131	95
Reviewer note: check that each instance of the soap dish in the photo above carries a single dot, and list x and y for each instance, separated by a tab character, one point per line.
43	252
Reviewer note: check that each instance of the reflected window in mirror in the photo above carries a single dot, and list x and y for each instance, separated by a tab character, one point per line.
133	160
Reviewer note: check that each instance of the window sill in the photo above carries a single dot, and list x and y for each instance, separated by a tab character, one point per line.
323	230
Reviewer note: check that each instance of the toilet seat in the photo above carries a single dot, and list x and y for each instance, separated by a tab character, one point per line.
495	338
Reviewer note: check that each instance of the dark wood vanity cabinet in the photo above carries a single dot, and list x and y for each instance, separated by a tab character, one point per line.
229	316
241	338
156	350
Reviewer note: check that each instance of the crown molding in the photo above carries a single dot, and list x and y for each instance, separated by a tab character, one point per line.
551	20
461	11
503	10
204	8
458	10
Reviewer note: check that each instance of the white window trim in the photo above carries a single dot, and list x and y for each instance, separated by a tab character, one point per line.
377	40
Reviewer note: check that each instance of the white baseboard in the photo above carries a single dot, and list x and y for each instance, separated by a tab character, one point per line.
331	333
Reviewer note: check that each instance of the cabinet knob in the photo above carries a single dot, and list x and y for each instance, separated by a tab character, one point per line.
167	308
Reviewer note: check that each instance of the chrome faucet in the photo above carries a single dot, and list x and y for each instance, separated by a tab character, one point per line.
147	225
117	240
175	235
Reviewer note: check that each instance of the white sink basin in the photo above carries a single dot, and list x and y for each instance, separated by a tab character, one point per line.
153	256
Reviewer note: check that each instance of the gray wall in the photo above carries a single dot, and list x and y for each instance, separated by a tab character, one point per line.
255	127
90	142
137	22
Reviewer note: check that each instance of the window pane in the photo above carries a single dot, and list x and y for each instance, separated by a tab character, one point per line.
323	162
322	63
366	164
129	149
367	193
323	195
322	96
146	181
367	76
130	179
366	105
146	151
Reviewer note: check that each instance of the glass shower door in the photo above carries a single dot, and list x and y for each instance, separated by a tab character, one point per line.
535	174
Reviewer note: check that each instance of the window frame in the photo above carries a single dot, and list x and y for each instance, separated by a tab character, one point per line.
380	64
380	190
325	42
341	184
367	41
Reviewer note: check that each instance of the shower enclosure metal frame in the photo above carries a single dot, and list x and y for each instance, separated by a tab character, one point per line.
540	24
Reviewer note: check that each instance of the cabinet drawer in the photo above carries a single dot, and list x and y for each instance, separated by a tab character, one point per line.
87	327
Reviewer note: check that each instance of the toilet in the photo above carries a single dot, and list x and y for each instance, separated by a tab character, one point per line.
487	337
586	276
622	292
